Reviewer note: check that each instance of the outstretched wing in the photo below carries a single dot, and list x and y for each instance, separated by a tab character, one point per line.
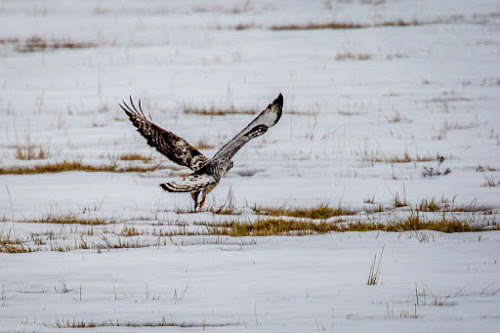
267	118
193	182
175	148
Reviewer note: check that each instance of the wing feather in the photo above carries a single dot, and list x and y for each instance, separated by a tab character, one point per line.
173	147
267	118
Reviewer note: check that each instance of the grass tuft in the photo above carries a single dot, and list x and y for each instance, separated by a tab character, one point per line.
398	203
66	166
38	44
30	152
323	212
76	323
429	205
491	182
317	26
134	157
375	269
281	226
351	56
11	245
71	219
214	111
347	25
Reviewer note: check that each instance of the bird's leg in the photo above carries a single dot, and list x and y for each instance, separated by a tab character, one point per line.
194	195
202	202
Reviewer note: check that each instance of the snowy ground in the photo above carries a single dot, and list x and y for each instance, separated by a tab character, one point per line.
356	102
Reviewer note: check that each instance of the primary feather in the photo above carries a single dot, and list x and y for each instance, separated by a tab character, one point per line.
175	148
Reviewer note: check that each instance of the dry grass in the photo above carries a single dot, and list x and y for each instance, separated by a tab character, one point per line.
397	202
8	244
76	323
214	111
77	232
317	26
349	25
482	168
66	166
70	219
372	158
375	269
134	157
491	182
351	56
281	226
429	205
238	27
30	152
203	143
38	44
323	212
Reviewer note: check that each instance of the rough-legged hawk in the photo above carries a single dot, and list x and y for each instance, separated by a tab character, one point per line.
206	172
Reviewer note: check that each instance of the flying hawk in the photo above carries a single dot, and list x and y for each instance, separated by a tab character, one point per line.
206	172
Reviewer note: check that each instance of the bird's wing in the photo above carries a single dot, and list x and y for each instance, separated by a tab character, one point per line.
267	118
175	148
193	182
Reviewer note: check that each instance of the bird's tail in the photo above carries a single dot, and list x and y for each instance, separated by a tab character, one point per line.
175	187
193	182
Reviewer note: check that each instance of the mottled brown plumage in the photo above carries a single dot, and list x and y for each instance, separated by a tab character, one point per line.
206	172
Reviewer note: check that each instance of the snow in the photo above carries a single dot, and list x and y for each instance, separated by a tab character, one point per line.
424	90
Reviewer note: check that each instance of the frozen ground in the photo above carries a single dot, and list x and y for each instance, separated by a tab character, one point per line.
358	103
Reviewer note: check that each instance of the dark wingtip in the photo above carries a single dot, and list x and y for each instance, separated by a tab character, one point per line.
279	100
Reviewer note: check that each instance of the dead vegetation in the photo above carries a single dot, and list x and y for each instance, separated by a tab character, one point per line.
490	182
351	56
76	323
280	226
66	166
203	143
317	26
371	158
30	152
374	275
38	44
9	244
323	212
71	219
135	157
77	232
238	27
349	25
214	110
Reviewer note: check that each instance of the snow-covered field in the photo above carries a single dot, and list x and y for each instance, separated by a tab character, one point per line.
366	112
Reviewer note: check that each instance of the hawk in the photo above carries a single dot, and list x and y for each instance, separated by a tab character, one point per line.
207	172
